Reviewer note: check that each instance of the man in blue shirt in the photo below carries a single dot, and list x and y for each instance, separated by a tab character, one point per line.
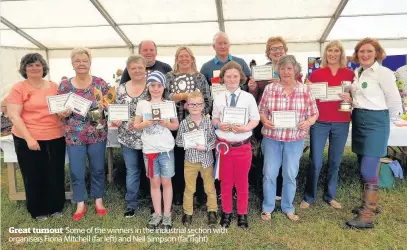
221	46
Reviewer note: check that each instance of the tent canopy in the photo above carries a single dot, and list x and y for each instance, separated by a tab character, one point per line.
64	24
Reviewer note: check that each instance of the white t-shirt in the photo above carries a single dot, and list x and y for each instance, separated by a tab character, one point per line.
156	138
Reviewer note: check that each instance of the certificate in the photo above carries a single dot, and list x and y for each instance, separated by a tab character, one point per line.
262	73
319	90
284	119
218	89
78	104
193	139
236	116
166	110
118	112
333	94
56	103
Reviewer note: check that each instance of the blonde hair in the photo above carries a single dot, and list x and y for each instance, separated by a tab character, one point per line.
273	40
380	54
195	94
136	59
80	51
334	43
189	51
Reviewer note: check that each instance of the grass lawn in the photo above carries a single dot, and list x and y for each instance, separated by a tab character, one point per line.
320	227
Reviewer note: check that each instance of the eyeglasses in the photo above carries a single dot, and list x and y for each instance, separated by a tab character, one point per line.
279	48
195	105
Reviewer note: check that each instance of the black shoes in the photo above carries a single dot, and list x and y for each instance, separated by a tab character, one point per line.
226	220
130	212
242	221
178	199
212	219
186	220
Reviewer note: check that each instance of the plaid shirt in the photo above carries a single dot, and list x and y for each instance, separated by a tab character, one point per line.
200	84
300	100
193	155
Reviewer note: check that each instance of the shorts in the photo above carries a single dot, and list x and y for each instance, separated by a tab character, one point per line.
163	164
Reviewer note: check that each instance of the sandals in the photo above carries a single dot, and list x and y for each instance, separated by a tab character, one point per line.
266	216
293	217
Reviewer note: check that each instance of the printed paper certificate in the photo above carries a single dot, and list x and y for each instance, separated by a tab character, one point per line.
236	116
284	119
319	90
262	73
78	104
56	103
167	109
118	112
193	139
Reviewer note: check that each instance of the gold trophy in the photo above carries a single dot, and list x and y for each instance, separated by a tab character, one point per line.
96	114
345	106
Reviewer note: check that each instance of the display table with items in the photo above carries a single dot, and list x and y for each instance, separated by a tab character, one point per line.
10	157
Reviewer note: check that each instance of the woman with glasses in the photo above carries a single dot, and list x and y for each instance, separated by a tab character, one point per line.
185	78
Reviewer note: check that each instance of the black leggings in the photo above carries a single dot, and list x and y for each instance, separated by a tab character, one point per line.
43	175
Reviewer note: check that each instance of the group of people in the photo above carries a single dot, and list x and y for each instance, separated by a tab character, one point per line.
41	138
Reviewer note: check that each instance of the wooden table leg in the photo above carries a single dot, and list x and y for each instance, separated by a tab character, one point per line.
12	179
109	164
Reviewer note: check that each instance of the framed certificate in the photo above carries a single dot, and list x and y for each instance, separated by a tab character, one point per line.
164	111
193	139
236	116
118	112
284	119
56	103
78	104
319	90
218	89
333	94
262	73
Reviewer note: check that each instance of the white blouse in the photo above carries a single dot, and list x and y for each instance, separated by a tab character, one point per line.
376	89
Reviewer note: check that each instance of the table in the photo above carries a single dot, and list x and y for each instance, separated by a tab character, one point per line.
10	157
397	139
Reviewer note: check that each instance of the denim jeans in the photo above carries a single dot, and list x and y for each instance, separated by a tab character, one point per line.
163	164
133	168
286	155
77	165
338	134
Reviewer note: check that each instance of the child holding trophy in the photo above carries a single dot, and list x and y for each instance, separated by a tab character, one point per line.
158	145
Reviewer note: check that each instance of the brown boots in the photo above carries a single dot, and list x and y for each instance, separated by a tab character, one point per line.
364	219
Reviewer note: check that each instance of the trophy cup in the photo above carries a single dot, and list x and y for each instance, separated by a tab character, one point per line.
96	114
345	106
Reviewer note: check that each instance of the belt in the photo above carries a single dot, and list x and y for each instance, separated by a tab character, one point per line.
236	144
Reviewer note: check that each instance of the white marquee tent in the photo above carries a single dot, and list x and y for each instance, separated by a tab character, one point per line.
114	28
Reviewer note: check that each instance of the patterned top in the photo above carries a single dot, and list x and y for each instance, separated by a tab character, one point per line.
193	155
300	100
188	83
130	138
78	129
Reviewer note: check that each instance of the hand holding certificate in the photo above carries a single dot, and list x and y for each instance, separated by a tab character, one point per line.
319	90
78	104
193	139
235	116
262	73
118	112
167	110
56	104
284	119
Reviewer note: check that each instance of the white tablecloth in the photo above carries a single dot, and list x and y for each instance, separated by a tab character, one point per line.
7	145
398	137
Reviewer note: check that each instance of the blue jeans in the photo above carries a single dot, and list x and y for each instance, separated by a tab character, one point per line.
164	166
286	155
133	168
338	134
77	165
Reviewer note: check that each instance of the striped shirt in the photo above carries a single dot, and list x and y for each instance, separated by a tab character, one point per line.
192	155
300	100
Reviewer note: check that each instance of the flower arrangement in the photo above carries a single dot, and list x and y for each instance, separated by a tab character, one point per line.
402	86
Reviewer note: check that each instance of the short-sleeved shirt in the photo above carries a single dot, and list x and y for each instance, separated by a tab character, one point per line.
78	129
35	114
130	138
243	100
156	138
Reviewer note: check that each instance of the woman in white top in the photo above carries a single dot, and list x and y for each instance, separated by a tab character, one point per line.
158	149
376	101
